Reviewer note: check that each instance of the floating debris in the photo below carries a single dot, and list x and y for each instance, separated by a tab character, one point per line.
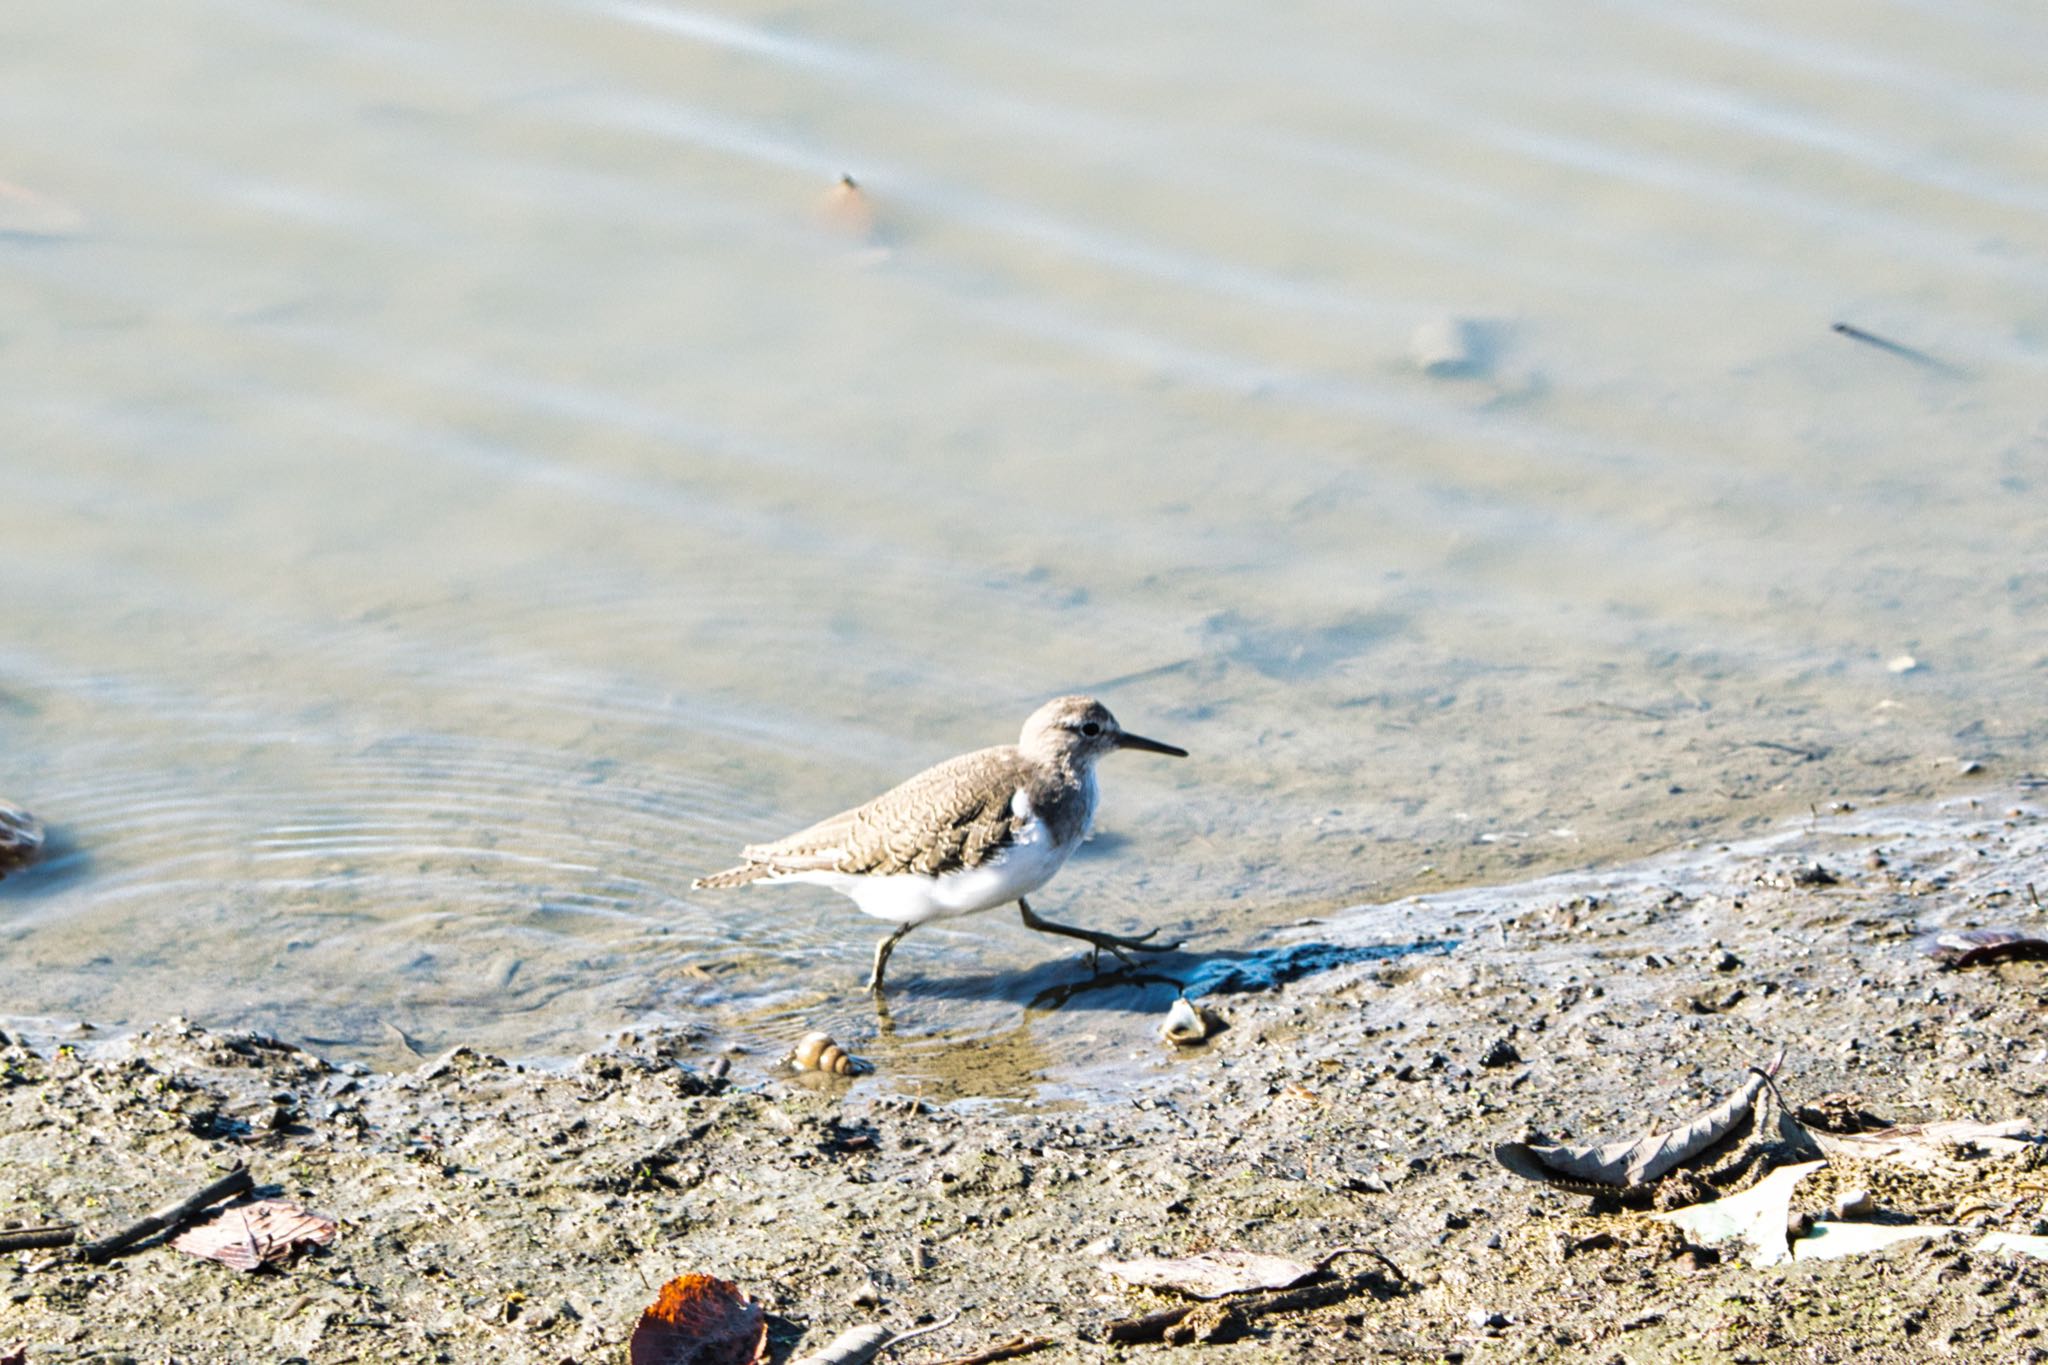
1188	1023
700	1320
21	837
817	1052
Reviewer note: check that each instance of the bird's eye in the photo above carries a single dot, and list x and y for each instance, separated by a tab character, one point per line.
1091	728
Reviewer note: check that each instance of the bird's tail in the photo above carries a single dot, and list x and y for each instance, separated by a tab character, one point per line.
733	876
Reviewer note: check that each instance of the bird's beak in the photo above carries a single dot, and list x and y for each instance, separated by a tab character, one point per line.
1126	740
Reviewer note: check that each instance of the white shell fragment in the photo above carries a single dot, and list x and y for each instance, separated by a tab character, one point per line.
817	1052
1449	348
1187	1023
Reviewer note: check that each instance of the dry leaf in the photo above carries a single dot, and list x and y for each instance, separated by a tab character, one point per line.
1974	947
1925	1145
1637	1161
246	1236
1212	1274
700	1320
1832	1241
1758	1215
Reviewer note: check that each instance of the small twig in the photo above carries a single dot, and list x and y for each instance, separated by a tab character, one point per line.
1373	1252
1151	1327
928	1328
237	1181
33	1239
1855	333
1245	1307
1009	1350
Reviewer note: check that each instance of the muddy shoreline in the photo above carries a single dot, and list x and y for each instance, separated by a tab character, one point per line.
493	1211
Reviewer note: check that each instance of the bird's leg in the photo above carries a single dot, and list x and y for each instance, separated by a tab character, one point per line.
1115	943
882	951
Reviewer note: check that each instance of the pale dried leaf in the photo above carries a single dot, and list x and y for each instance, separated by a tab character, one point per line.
1212	1274
246	1236
1925	1145
1636	1161
1757	1216
1832	1241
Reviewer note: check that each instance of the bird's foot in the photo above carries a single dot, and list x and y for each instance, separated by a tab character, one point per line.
1120	946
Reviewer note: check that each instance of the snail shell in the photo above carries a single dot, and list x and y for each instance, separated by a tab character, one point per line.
21	837
817	1052
1187	1024
845	209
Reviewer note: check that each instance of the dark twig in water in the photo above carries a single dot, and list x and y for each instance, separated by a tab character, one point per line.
168	1218
1905	352
35	1239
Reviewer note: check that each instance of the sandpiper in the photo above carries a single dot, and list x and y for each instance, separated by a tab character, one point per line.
970	834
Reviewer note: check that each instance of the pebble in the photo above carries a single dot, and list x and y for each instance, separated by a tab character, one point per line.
1853	1204
1502	1053
1904	663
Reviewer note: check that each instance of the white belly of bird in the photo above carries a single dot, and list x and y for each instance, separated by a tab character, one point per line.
910	898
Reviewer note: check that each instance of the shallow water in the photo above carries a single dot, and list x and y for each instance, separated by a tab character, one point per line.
464	479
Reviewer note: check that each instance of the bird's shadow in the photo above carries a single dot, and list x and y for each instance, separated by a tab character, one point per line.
60	863
1148	987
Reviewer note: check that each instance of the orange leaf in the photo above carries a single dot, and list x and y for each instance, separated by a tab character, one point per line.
700	1320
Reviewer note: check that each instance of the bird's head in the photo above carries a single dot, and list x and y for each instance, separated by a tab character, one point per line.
1080	730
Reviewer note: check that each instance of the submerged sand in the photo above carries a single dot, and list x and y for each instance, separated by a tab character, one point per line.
493	1211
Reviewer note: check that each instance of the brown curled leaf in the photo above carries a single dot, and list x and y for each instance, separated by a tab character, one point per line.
1975	947
700	1320
1635	1161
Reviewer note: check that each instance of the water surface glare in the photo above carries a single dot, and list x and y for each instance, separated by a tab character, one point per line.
465	477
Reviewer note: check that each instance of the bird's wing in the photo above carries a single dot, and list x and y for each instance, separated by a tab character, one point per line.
949	817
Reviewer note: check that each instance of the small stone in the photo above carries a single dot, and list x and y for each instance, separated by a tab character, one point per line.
1904	663
1853	1204
1502	1053
1727	962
